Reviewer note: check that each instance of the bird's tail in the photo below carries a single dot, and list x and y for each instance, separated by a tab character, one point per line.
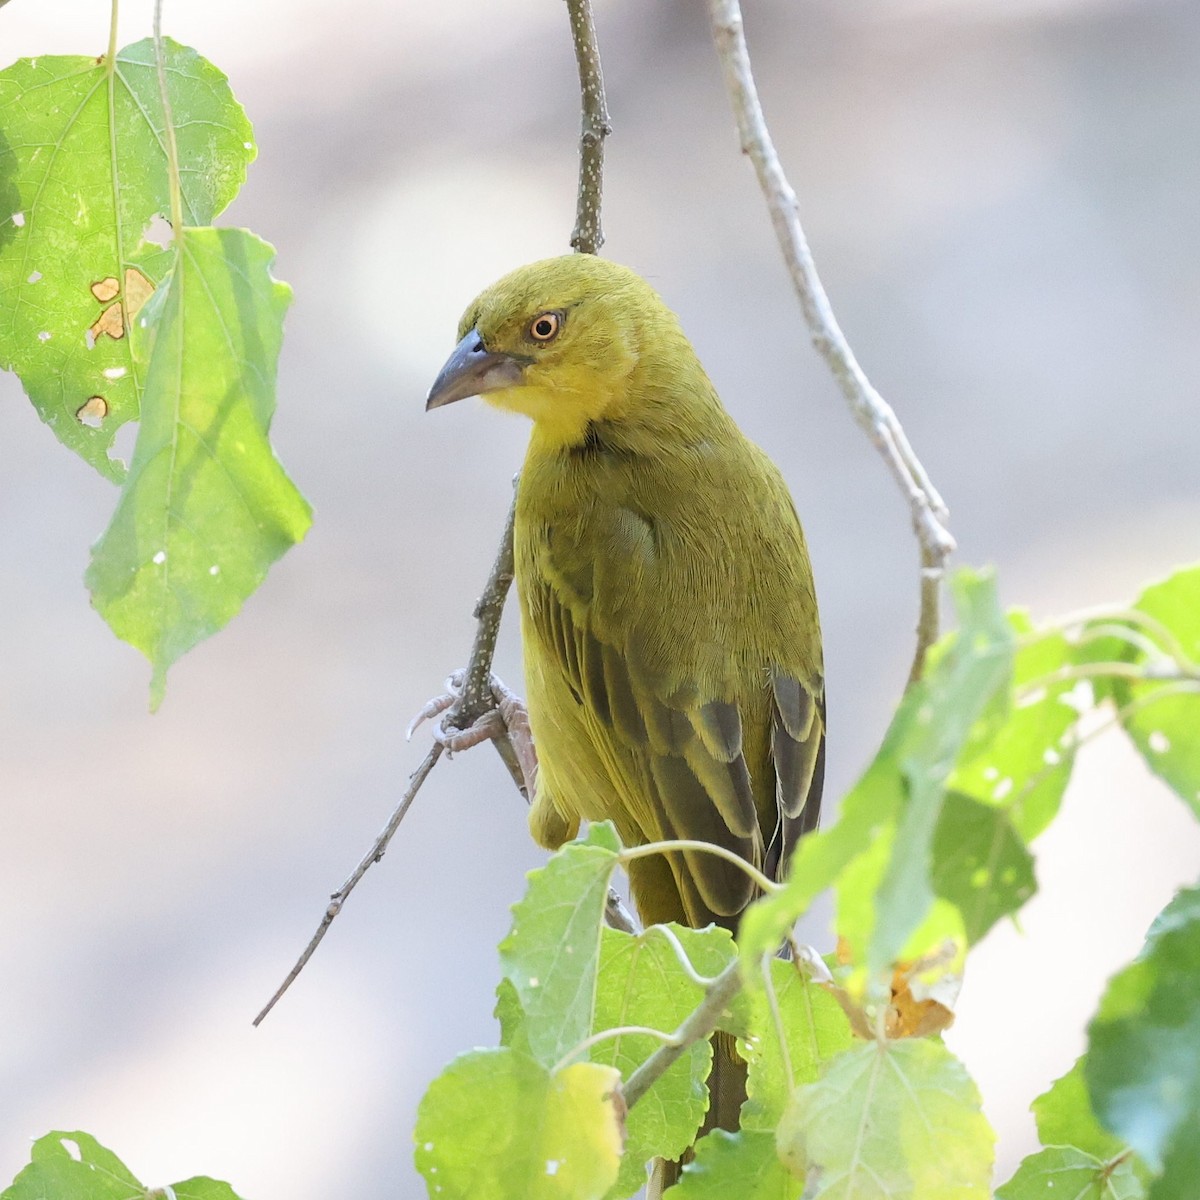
726	1094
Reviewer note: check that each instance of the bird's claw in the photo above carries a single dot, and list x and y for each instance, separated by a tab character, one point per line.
437	706
507	717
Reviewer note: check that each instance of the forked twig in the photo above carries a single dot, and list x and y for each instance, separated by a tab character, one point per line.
476	699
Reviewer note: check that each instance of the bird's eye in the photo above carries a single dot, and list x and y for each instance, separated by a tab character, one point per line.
545	326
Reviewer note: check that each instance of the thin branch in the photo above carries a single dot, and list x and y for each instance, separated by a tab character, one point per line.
869	408
476	698
588	234
702	1023
373	855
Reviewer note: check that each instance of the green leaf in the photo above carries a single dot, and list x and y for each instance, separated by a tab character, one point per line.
742	1165
980	864
879	853
85	171
552	952
74	1166
200	1188
890	1121
1143	1062
497	1126
1161	717
641	982
1065	1173
967	677
1023	764
1065	1118
817	1030
511	1016
207	507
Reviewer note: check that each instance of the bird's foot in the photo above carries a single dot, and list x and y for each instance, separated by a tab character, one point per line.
508	719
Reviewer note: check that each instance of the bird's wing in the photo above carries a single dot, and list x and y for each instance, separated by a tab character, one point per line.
707	734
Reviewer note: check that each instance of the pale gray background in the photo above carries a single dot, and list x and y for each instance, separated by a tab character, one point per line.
1002	195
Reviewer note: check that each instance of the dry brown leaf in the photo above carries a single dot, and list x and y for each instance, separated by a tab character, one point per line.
917	1008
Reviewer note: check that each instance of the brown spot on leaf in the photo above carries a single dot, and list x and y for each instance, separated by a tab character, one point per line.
138	289
106	289
110	321
92	412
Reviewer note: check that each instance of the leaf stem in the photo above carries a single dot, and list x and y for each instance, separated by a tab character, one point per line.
785	1054
111	64
176	188
1133	616
667	847
605	1035
676	945
1164	671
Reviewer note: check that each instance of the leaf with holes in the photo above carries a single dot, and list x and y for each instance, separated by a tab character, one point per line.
83	172
497	1126
74	1166
552	952
890	1121
980	864
206	508
1022	761
1162	717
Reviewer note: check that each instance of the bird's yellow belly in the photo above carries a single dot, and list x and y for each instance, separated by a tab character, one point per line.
583	775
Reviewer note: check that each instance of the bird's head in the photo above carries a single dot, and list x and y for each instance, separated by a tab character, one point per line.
558	341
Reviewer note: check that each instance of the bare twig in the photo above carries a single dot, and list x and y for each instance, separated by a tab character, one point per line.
377	851
476	698
700	1024
869	408
588	234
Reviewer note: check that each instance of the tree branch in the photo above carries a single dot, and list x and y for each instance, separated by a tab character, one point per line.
476	698
588	234
869	408
700	1024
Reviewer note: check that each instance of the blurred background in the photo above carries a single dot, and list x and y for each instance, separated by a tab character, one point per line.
1001	195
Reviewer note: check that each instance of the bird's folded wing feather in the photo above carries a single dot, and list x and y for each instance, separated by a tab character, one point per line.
713	735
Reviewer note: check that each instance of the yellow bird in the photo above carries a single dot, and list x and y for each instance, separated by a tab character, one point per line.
671	639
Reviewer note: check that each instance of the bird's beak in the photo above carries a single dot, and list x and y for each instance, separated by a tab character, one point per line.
472	370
